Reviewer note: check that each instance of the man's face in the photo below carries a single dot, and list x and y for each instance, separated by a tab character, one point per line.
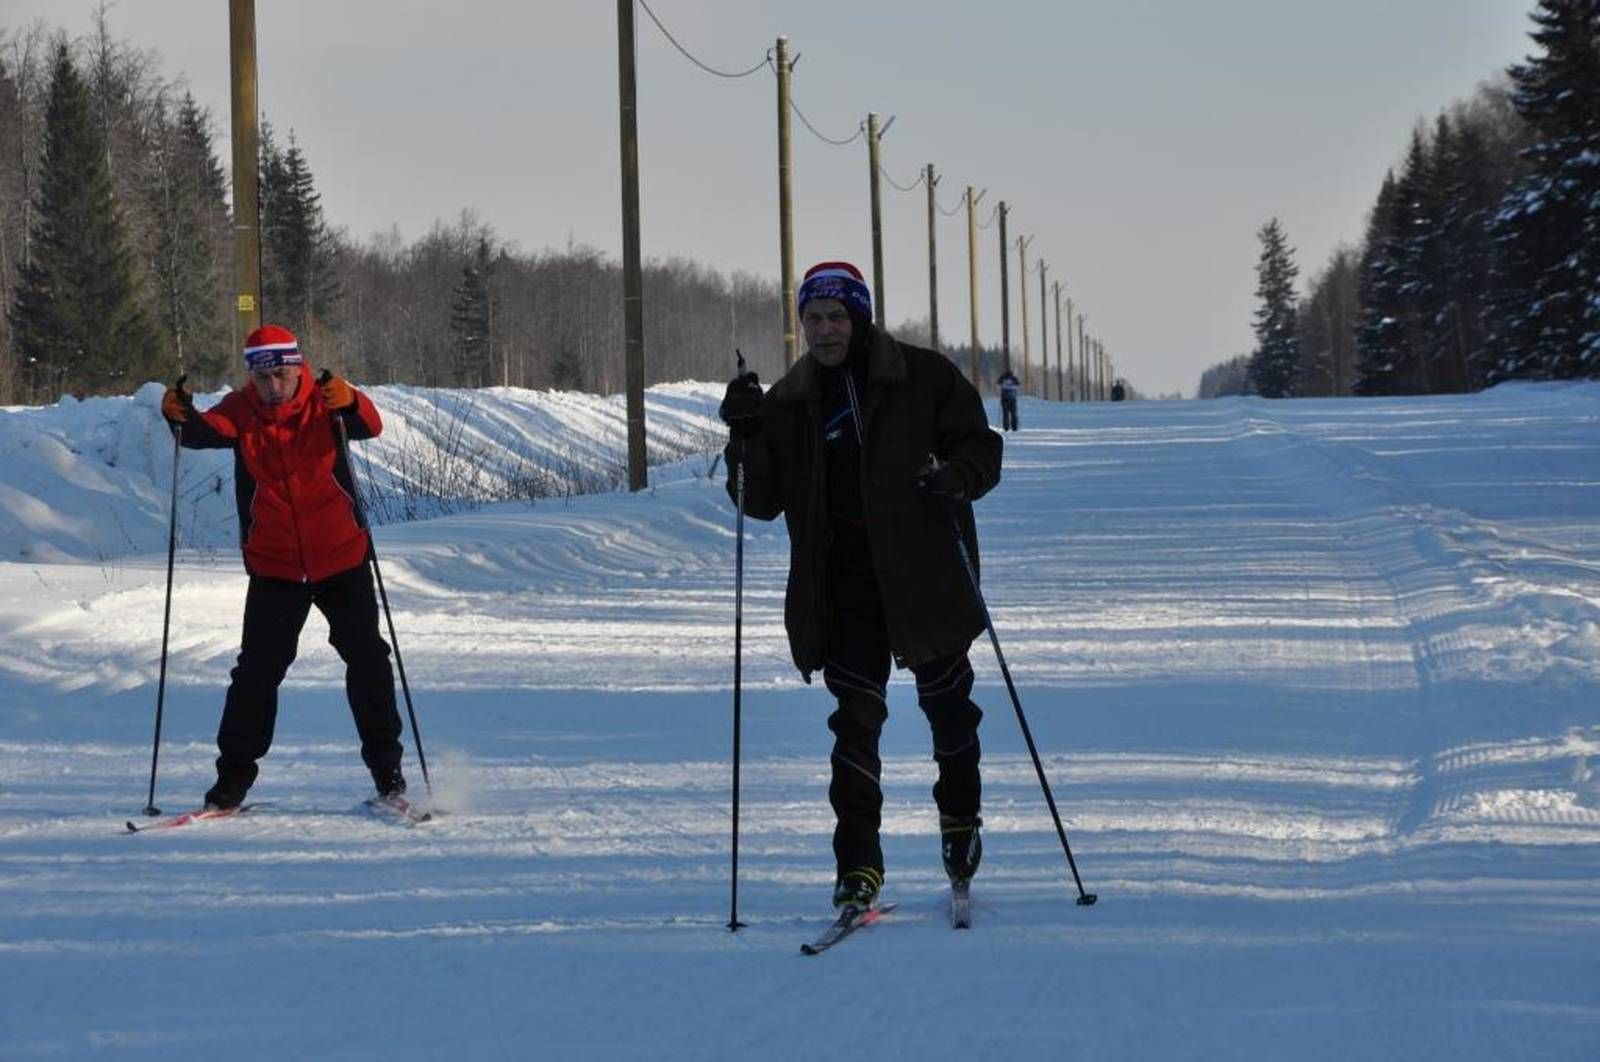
277	385
826	324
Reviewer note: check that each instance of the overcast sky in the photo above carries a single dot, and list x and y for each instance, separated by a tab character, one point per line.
1140	143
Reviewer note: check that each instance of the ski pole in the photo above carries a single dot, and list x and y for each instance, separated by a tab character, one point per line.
372	555
1084	898
166	617
738	669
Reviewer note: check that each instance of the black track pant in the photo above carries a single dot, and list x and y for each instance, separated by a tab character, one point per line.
857	673
275	611
1008	415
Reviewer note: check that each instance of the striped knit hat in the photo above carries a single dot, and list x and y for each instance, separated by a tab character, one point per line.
836	280
270	346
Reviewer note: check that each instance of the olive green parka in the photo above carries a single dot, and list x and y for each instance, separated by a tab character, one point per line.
916	403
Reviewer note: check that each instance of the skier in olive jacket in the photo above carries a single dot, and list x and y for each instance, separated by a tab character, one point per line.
841	447
303	545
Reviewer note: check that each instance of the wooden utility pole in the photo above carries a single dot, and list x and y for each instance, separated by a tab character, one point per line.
1005	294
1022	290
246	195
1083	361
933	264
1073	379
791	345
632	273
1061	386
877	220
972	280
1044	335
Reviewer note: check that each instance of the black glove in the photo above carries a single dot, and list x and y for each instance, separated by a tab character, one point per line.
942	482
741	406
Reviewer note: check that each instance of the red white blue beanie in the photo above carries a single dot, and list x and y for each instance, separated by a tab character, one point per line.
270	346
836	280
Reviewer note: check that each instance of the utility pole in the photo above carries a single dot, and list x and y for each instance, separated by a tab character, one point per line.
1061	392
1083	361
1076	390
632	273
877	220
1005	294
972	280
933	265
791	351
246	149
1044	336
1022	290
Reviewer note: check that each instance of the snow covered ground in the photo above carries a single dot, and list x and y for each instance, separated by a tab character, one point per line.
1315	683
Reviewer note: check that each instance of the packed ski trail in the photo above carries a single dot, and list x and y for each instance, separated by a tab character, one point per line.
1315	683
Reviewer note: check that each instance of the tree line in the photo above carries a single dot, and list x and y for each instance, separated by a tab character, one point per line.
1481	257
116	259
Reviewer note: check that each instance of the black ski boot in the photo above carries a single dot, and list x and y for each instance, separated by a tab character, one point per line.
962	845
391	781
858	888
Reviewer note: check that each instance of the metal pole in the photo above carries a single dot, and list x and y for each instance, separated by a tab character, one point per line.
166	616
246	162
933	264
1084	898
632	271
1061	392
791	345
1072	358
1044	335
734	925
877	220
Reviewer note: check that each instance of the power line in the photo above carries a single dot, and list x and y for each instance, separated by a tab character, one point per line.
992	212
691	58
860	129
913	186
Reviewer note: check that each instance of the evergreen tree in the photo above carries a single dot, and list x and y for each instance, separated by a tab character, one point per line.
1547	273
192	244
1274	366
472	320
1385	352
299	286
1328	319
1469	192
78	323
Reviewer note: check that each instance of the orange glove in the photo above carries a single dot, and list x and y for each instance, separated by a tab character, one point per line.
337	392
177	405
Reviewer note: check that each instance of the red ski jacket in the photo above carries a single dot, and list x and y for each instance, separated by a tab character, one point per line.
297	515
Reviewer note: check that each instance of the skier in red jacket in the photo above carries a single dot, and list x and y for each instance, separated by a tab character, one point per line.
303	545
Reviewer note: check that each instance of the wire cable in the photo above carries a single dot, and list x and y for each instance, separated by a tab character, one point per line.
912	187
861	130
992	212
710	70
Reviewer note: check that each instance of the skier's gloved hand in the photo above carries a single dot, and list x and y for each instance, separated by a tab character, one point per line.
336	391
177	405
741	406
942	482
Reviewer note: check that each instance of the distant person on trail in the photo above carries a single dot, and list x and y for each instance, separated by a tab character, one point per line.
303	546
1118	392
1010	386
873	451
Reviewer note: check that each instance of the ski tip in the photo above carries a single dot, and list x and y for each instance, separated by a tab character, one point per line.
131	827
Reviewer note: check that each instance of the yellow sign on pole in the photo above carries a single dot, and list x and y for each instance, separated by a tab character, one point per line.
247	304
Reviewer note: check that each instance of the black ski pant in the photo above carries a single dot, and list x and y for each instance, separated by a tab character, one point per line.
1008	415
275	612
857	673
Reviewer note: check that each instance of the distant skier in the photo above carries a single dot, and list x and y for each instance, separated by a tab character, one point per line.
1010	387
302	546
1118	392
840	446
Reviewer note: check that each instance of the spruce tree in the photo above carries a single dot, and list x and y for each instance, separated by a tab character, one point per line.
78	323
189	203
299	287
1547	233
1274	366
472	320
